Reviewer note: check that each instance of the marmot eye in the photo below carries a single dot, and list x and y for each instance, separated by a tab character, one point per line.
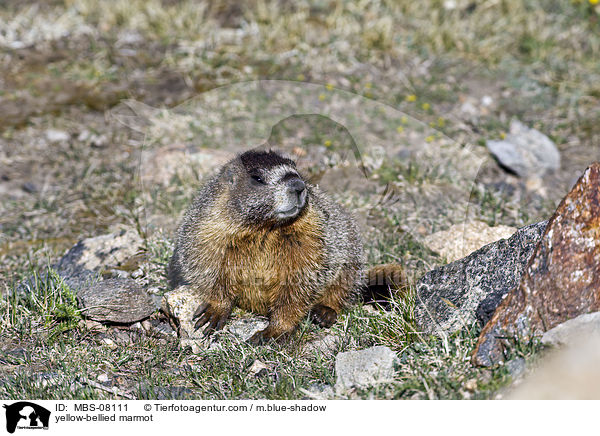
258	179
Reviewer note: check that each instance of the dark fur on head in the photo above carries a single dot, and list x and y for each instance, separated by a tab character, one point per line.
256	160
267	189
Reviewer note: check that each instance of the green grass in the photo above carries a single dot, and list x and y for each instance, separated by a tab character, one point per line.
68	365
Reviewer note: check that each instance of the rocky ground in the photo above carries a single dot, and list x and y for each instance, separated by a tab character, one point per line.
443	126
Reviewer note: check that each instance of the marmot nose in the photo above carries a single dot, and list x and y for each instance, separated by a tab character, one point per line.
297	185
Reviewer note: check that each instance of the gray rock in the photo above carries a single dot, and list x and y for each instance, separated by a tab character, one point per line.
180	305
325	345
258	368
455	295
162	329
54	135
516	367
319	391
573	330
116	300
364	368
84	262
567	373
527	152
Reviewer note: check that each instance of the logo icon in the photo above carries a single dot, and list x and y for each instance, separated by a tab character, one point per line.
26	415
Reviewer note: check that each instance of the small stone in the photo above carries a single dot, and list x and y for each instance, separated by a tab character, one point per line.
325	345
94	325
487	101
516	367
562	278
109	342
29	187
449	5
368	367
53	135
244	328
527	152
48	379
116	300
471	385
121	336
258	368
163	328
146	325
573	330
180	305
84	135
319	391
469	109
103	378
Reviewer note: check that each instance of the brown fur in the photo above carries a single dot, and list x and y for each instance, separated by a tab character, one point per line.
234	250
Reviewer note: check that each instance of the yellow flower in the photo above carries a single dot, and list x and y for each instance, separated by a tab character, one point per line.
426	106
593	2
300	77
411	97
441	122
368	85
404	120
328	143
321	97
430	138
329	87
431	124
399	129
368	94
502	135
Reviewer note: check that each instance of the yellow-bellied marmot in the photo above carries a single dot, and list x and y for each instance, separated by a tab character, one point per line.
260	237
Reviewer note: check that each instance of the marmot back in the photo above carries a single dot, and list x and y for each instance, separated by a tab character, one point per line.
260	237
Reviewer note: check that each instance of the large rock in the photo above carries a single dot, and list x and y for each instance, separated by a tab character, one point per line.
526	151
573	330
86	260
562	279
364	368
116	300
455	295
97	270
570	373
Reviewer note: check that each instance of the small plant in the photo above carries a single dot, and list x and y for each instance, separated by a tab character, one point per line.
50	298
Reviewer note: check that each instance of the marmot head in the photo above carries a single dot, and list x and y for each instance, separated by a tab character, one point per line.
266	188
